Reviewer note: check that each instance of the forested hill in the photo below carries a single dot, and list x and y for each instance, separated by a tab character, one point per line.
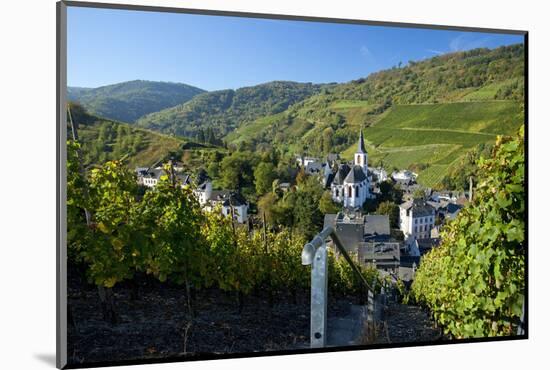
103	139
127	101
225	110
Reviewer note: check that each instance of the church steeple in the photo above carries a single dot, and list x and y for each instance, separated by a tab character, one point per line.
361	146
361	153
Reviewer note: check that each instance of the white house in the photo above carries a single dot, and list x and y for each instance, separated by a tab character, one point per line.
404	176
148	177
416	219
350	185
203	192
232	203
305	161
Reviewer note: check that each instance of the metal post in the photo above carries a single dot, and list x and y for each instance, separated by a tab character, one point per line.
315	254
370	306
319	289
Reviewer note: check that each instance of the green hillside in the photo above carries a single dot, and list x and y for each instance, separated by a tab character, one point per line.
127	101
429	138
225	110
423	116
104	140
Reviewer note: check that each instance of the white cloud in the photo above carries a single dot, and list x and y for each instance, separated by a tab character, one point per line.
365	51
433	51
466	41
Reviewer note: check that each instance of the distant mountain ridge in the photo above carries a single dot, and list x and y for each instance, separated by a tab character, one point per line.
128	101
224	110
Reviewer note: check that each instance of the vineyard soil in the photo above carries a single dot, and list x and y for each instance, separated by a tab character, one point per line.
157	324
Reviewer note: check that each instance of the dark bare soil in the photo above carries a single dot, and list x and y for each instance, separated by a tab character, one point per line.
155	322
406	324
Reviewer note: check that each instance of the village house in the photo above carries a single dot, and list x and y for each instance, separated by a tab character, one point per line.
203	192
304	161
232	204
404	176
148	177
416	219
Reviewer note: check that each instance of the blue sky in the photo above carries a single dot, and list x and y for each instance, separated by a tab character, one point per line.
212	52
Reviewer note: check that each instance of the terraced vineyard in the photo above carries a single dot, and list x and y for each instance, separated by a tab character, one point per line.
433	136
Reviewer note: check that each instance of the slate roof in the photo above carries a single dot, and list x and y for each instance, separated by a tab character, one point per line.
426	244
361	144
377	225
313	167
385	253
419	207
343	171
228	198
151	173
202	186
349	233
329	180
355	175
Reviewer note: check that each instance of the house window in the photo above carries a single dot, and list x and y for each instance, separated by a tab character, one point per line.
357	191
415	229
337	192
349	191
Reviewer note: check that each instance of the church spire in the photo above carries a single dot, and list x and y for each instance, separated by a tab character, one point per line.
361	146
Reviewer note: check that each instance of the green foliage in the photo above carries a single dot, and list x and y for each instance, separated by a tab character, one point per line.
392	210
268	205
225	110
390	192
304	202
107	246
264	175
326	204
77	202
237	170
128	101
170	219
432	139
342	278
474	282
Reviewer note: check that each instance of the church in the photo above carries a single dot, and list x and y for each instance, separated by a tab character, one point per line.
350	185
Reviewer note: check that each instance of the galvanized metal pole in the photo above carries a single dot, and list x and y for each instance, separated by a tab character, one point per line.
319	287
315	254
